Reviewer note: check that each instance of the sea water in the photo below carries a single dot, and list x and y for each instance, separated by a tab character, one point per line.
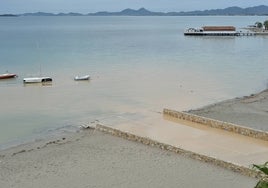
137	65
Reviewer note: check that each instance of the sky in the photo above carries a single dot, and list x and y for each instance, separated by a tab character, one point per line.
90	6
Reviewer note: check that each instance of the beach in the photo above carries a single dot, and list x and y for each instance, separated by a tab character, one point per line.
91	158
250	111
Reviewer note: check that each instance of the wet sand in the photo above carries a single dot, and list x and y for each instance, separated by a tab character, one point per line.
90	158
250	111
93	159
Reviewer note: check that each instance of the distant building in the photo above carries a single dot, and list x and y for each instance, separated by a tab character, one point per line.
213	31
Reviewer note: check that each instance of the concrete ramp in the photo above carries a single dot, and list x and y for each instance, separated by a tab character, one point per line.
223	148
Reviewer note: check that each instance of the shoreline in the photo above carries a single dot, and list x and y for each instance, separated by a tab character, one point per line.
96	159
249	111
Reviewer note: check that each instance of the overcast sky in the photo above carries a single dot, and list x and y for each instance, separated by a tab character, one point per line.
86	6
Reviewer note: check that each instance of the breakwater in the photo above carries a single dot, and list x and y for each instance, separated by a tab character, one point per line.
194	155
218	124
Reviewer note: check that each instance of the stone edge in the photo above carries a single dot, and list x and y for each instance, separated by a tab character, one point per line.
147	141
262	135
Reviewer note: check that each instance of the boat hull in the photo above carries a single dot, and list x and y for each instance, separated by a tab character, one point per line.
7	76
37	80
81	78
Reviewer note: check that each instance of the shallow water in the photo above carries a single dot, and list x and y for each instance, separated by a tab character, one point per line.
137	65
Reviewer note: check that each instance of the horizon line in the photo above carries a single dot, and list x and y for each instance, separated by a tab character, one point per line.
106	11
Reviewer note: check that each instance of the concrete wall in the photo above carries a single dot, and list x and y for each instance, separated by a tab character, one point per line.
218	124
207	159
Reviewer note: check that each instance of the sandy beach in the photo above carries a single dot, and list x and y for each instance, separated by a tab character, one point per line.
94	159
250	111
89	158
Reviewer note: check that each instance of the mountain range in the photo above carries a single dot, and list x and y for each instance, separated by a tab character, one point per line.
230	11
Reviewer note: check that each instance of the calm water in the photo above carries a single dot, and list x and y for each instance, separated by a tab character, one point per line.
137	65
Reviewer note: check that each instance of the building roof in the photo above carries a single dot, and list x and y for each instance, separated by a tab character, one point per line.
219	28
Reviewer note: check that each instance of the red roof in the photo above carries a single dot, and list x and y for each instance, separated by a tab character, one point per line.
219	28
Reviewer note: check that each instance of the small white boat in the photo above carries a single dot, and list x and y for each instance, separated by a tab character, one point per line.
37	80
79	78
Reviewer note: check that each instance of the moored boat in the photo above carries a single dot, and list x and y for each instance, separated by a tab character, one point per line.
37	80
79	78
7	75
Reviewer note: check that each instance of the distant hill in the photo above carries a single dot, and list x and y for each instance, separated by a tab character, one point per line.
51	14
8	15
257	10
129	12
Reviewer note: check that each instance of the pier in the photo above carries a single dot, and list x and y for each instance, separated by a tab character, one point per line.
217	31
222	34
245	34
